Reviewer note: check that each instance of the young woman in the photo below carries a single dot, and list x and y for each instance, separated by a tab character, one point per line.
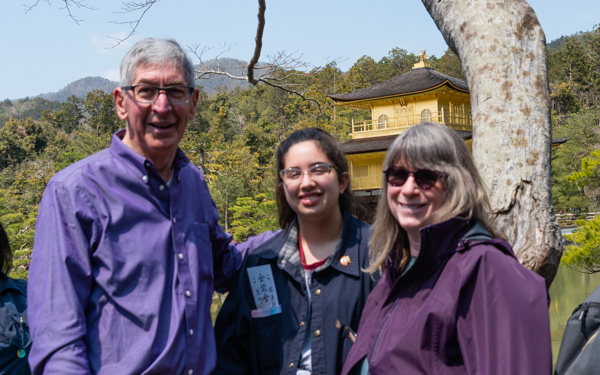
453	298
299	296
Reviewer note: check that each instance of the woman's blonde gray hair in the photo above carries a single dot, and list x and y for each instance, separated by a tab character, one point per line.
436	147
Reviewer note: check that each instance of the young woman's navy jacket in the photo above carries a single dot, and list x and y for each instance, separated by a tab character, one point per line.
271	342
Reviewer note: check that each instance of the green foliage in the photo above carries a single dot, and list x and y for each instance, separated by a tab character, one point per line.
590	171
21	188
582	130
252	216
564	97
583	254
587	179
101	113
364	73
574	73
449	64
20	139
70	116
25	108
397	62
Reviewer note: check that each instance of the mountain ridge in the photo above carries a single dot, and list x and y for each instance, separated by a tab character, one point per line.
211	85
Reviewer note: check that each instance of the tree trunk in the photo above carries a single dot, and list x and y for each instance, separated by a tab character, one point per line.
503	52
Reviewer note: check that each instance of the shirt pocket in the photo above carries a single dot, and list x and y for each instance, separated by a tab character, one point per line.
345	341
201	239
266	332
14	329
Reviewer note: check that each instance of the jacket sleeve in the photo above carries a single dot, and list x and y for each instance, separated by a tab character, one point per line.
503	323
59	284
232	332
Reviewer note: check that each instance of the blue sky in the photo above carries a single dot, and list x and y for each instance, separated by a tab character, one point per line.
44	49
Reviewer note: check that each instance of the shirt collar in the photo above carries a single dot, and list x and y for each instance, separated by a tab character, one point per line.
289	256
142	164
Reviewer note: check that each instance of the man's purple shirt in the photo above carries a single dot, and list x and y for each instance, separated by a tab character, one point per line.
124	266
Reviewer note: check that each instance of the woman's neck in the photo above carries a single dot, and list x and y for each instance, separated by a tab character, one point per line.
319	238
414	243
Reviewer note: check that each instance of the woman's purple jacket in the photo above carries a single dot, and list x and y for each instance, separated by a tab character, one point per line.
466	306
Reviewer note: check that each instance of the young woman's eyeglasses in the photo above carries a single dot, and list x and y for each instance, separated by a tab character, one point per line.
424	178
315	170
148	94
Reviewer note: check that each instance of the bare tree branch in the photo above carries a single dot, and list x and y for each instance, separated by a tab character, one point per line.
133	6
68	4
270	74
262	7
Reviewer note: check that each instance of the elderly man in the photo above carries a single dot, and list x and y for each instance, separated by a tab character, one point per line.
128	247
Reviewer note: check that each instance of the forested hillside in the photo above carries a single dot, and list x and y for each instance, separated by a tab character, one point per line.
80	88
235	133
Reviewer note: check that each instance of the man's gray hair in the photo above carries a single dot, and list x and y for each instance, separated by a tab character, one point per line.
156	51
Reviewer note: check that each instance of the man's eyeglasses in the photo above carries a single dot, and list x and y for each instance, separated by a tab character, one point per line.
147	94
425	178
315	170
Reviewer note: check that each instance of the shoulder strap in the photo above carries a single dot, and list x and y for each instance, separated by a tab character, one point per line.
477	233
580	346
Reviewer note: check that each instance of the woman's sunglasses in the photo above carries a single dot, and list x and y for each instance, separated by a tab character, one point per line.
425	178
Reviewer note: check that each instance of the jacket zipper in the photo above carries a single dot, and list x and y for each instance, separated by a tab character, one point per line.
380	333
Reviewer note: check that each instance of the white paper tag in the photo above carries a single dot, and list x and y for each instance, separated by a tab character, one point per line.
263	287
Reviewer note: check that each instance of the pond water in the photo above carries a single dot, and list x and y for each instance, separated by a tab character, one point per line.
567	291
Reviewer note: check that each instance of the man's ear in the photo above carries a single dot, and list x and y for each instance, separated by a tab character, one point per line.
119	101
194	99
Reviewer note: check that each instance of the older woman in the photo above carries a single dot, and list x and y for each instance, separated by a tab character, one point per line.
453	298
299	296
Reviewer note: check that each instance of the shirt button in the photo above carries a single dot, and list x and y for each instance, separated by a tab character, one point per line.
190	371
188	293
301	324
161	187
145	178
174	220
291	364
317	292
180	256
191	332
147	164
317	333
283	261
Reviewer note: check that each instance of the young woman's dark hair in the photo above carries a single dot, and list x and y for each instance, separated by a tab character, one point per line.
5	253
330	148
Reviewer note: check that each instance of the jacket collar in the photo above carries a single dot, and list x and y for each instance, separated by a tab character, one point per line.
438	243
9	283
285	249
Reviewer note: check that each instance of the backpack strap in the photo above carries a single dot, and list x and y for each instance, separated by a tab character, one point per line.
477	233
580	345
